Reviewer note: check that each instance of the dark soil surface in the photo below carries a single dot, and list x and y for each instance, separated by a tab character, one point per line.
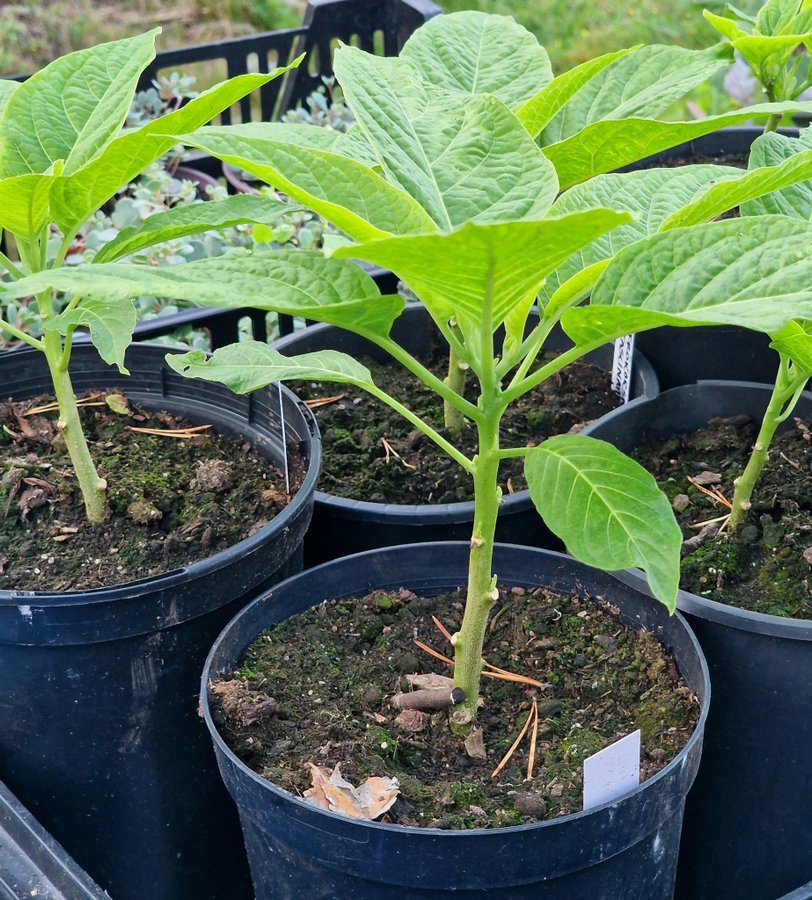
171	501
317	690
767	565
356	429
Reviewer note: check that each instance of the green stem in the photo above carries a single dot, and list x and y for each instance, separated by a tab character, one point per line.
21	335
10	266
91	484
480	597
775	120
555	365
407	414
453	418
787	389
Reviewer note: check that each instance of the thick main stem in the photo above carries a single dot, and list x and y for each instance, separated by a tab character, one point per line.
781	404
471	636
92	485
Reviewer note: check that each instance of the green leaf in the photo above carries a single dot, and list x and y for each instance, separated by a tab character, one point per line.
754	272
725	26
610	144
463	158
194	218
482	273
76	197
536	112
476	53
111	324
795	341
649	195
766	55
607	509
755	193
250	365
775	16
72	108
296	282
575	289
789	158
642	83
24	208
346	192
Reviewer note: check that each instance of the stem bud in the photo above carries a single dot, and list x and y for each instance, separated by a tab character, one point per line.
61	424
477	542
494	594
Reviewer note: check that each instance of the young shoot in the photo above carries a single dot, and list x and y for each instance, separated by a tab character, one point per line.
64	152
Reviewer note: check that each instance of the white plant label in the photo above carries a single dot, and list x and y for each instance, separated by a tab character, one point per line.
622	367
612	772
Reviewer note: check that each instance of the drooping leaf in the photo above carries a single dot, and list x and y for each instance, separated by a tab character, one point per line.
194	218
795	341
250	365
24	208
754	272
463	158
77	196
611	144
641	83
790	155
73	108
111	324
607	509
296	282
537	111
482	273
649	195
346	192
475	53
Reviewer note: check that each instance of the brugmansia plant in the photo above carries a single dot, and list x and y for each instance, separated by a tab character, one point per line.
442	180
769	42
64	153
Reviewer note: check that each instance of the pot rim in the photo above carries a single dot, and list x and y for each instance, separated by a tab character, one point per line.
203	567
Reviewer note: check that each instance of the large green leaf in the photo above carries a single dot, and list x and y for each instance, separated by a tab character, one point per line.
642	83
780	16
346	192
476	53
77	196
296	282
463	158
795	341
192	219
789	157
250	365
649	195
604	146
538	110
753	272
607	509
73	108
111	324
24	209
482	273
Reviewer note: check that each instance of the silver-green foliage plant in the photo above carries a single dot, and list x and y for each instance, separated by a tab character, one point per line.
64	152
769	43
443	182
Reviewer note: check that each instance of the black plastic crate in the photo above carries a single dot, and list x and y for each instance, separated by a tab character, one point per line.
33	864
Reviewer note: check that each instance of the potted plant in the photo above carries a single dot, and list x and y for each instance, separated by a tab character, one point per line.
745	589
99	683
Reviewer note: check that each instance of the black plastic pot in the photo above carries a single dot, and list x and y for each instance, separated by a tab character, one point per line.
32	864
341	527
685	355
748	822
99	731
625	849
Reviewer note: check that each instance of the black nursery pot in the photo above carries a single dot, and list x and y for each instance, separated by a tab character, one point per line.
341	526
625	849
99	731
685	355
748	818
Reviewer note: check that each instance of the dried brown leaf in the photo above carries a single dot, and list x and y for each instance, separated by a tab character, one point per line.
330	790
413	720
